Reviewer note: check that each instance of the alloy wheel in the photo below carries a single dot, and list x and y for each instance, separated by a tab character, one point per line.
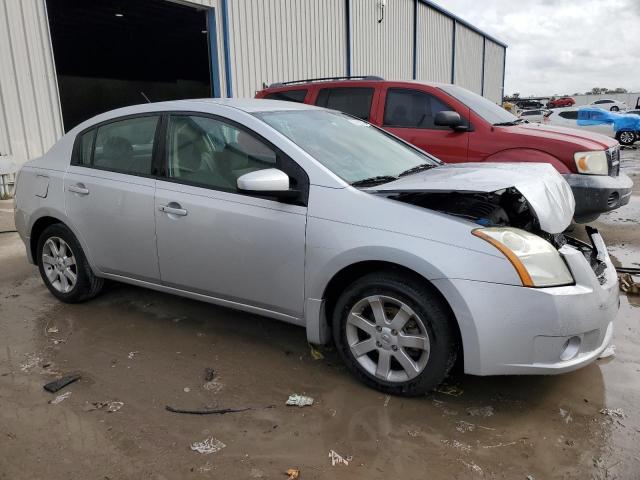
59	264
387	338
627	138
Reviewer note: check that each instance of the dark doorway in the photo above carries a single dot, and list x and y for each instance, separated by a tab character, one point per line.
114	53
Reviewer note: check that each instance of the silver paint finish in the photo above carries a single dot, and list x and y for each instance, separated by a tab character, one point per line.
59	264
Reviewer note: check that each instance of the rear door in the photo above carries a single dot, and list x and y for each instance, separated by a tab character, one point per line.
109	195
214	240
409	114
356	101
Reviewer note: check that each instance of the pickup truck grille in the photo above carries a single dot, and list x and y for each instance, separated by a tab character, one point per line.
613	160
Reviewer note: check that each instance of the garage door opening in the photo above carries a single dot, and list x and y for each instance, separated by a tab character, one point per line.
114	53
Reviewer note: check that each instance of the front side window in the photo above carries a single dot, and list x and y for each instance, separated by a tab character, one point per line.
486	109
208	152
288	96
126	145
572	115
354	101
352	149
412	109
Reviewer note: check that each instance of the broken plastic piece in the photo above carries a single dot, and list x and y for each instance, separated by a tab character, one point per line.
338	459
56	385
294	473
299	400
628	285
60	398
207	446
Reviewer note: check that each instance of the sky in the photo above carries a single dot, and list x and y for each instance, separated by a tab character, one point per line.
561	46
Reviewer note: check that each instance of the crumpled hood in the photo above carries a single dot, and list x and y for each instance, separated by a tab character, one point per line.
548	194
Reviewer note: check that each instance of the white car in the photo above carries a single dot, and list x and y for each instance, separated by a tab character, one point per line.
536	116
609	104
568	117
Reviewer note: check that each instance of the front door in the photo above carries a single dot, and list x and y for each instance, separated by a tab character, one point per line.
216	241
410	114
109	195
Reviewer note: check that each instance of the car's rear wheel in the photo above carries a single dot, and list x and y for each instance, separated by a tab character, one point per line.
63	266
626	138
614	108
394	333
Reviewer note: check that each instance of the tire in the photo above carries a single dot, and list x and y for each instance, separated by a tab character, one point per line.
615	109
365	343
59	270
626	137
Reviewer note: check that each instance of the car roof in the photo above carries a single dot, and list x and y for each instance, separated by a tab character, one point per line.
276	87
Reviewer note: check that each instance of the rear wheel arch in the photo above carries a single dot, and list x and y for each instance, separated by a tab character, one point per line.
38	227
528	155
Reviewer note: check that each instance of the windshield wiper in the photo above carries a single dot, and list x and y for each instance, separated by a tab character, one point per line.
417	168
377	180
508	124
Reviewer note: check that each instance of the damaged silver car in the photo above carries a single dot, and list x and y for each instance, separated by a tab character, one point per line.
322	220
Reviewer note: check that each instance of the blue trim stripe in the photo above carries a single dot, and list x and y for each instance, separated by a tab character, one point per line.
415	39
347	13
484	58
213	52
453	53
227	54
504	70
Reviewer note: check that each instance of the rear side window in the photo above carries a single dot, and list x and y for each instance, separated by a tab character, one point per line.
354	101
531	112
569	115
599	102
85	148
412	109
126	146
288	96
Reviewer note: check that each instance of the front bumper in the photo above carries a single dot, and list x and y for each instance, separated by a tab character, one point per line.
596	194
509	329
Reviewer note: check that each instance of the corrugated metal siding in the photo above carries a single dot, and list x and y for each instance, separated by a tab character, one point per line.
434	45
30	119
385	48
279	40
468	68
493	71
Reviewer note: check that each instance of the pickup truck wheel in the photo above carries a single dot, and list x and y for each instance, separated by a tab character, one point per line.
394	334
615	108
63	266
626	138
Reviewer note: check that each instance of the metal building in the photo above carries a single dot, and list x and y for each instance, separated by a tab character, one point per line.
62	61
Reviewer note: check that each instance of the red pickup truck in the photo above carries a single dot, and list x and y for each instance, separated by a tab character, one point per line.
457	125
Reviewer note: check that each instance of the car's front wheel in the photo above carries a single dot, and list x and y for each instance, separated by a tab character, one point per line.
615	108
626	138
395	333
63	266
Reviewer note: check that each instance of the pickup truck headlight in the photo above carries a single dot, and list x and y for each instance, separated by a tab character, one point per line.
537	262
592	163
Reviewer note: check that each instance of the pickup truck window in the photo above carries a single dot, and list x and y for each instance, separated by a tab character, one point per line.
486	109
407	108
288	96
354	101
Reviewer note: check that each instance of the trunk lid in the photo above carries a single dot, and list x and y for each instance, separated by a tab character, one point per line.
548	194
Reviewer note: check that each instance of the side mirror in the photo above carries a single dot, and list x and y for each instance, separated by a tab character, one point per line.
269	182
450	119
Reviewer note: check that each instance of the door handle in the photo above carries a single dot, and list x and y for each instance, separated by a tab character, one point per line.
79	188
181	212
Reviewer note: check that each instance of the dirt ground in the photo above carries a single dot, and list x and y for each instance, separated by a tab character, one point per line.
148	350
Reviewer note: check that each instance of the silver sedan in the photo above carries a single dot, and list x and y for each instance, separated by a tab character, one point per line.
322	220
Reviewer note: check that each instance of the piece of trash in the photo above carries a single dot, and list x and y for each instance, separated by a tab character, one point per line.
186	389
413	433
207	446
114	406
32	361
628	285
294	473
613	412
315	353
57	341
213	386
132	354
338	459
610	351
299	400
60	398
480	411
472	466
386	400
452	390
59	384
111	407
333	412
566	414
457	445
531	477
52	330
209	374
217	411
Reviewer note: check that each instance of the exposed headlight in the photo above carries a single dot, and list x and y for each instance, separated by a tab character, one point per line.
537	262
592	163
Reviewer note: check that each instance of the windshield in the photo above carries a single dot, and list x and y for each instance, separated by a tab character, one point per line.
351	148
488	110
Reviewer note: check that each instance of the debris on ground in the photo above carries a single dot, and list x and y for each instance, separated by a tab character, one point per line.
613	412
52	330
111	407
566	415
386	400
413	433
299	400
209	374
294	473
315	353
452	390
338	459
210	381
207	446
610	351
59	384
32	361
463	447
133	354
480	411
60	398
628	285
472	466
186	389
206	411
